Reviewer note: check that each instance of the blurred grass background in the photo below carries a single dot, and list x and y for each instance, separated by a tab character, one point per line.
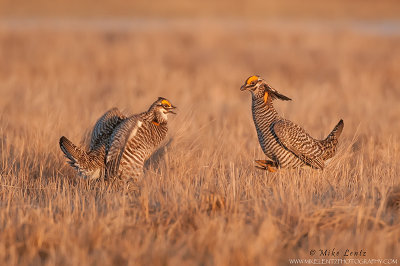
332	9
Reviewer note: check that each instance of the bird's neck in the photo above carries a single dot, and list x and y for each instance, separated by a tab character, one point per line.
264	105
147	116
150	116
158	123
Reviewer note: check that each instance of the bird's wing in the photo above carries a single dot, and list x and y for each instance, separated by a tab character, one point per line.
295	139
120	137
104	126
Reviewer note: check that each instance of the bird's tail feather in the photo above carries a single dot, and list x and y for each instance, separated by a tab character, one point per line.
335	134
76	155
331	141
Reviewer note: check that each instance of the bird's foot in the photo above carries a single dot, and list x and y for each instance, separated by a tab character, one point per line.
270	166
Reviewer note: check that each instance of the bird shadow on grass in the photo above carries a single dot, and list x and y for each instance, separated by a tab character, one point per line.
155	160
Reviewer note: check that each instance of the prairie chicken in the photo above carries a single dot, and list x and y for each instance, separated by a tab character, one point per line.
286	144
119	145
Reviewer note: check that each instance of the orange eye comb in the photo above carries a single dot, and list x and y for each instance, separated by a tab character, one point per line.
251	79
165	102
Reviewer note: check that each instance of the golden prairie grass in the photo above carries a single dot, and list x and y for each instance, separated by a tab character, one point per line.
202	202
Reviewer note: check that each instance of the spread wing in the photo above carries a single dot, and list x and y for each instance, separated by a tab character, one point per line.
125	131
296	140
105	126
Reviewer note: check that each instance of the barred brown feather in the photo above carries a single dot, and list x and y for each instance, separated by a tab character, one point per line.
131	145
285	143
88	164
119	145
104	127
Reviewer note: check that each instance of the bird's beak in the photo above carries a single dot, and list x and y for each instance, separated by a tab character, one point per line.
244	87
170	109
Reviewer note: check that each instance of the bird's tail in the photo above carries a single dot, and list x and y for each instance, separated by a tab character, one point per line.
78	158
331	140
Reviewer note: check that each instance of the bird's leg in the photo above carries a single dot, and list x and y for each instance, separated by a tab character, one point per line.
270	166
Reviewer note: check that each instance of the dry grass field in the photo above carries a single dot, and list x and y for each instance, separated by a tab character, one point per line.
202	202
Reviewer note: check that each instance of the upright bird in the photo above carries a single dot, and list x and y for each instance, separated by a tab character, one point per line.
119	145
286	144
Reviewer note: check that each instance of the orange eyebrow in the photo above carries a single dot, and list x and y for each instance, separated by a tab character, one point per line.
251	79
166	102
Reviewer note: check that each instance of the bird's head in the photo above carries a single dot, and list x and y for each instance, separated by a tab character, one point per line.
161	108
260	89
